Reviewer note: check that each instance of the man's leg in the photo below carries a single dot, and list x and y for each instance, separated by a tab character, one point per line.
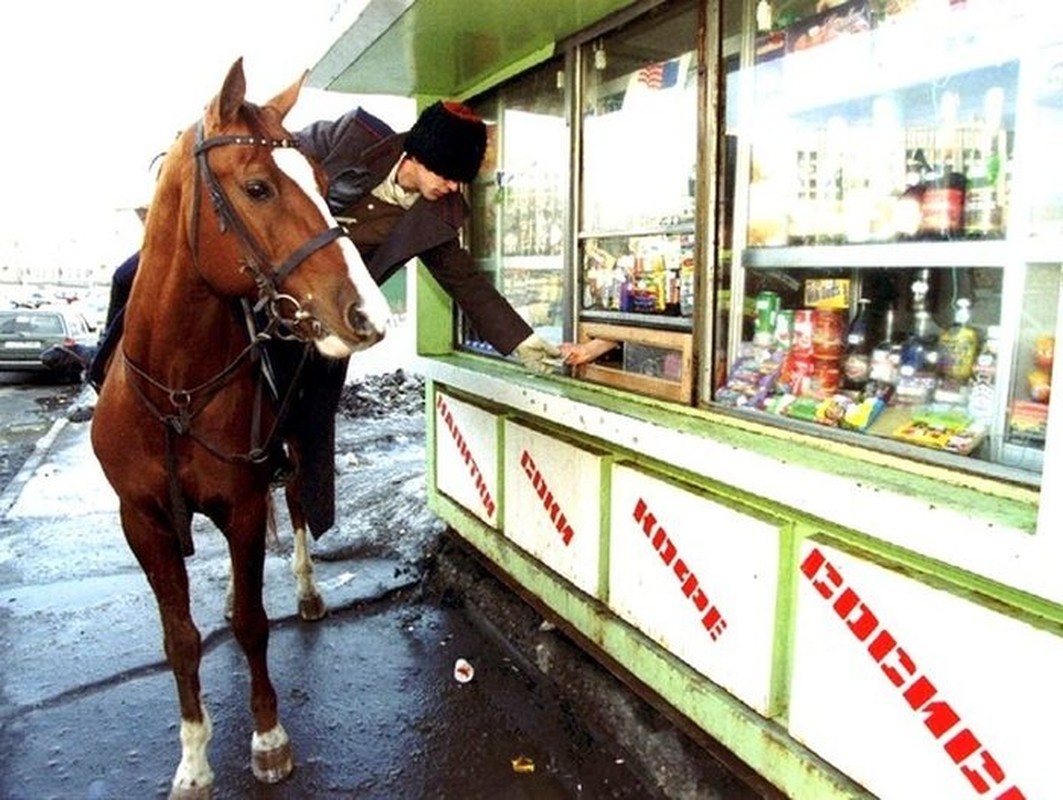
121	283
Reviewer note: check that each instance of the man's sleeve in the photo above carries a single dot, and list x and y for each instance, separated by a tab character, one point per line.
489	312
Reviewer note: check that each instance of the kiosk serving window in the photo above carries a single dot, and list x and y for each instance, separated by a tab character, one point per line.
520	198
638	167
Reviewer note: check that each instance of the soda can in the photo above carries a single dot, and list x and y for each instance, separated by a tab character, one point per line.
828	332
766	306
784	328
826	377
802	336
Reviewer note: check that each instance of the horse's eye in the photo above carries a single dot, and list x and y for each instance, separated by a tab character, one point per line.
258	190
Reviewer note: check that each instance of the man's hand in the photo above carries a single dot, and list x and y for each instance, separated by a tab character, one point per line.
534	351
584	352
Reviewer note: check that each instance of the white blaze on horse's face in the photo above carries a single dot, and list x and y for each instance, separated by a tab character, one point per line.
374	306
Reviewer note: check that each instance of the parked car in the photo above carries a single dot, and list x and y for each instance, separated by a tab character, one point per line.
27	334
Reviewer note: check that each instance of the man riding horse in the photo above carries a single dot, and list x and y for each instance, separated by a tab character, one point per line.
397	197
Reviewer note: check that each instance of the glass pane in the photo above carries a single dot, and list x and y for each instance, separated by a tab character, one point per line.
657	362
866	153
640	124
519	200
639	274
887	277
1030	389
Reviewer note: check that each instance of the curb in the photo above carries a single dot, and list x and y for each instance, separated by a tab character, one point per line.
12	491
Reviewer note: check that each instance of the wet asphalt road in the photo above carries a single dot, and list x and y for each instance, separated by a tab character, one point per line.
368	699
368	695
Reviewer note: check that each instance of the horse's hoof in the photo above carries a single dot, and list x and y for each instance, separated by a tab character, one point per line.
312	609
191	792
274	765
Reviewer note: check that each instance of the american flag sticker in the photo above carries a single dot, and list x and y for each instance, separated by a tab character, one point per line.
662	75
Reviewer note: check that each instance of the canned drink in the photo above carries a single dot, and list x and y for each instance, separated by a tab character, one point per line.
802	337
766	306
828	333
826	377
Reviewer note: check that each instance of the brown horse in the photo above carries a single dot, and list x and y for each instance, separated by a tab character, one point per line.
239	247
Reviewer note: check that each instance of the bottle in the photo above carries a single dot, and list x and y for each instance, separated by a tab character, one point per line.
919	353
946	191
908	213
943	204
980	401
886	356
856	361
959	345
981	214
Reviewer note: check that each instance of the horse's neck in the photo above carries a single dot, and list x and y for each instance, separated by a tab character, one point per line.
175	324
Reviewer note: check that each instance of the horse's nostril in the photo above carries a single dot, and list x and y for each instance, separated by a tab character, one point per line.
361	324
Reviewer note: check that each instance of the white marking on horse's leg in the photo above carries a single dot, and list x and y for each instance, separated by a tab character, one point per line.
271	755
374	304
311	605
194	776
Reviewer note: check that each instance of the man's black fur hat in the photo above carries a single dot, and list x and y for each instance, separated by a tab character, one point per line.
450	139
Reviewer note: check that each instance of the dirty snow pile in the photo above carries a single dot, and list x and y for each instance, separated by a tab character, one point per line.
397	392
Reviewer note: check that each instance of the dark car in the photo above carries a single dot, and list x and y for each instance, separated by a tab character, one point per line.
27	334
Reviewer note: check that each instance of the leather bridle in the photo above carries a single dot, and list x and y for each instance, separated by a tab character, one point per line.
299	324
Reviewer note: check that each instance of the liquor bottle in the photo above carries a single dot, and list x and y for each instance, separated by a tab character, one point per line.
981	400
943	204
919	353
856	362
959	345
946	191
908	212
886	356
981	212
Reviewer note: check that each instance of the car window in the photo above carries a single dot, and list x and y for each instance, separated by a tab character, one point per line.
33	324
49	324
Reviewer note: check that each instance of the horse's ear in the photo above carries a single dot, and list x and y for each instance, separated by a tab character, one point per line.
285	100
231	96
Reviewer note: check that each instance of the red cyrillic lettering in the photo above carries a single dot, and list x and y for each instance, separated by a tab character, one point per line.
895	676
940	718
993	776
863	626
920	692
881	645
962	745
846	602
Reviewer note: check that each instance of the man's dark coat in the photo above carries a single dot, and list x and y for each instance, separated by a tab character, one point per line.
357	151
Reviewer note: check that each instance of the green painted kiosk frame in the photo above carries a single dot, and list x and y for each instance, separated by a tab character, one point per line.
803	501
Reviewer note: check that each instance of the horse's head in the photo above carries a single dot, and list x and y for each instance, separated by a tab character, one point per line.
272	237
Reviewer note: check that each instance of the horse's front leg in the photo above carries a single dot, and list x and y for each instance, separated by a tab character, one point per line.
311	605
271	753
157	550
